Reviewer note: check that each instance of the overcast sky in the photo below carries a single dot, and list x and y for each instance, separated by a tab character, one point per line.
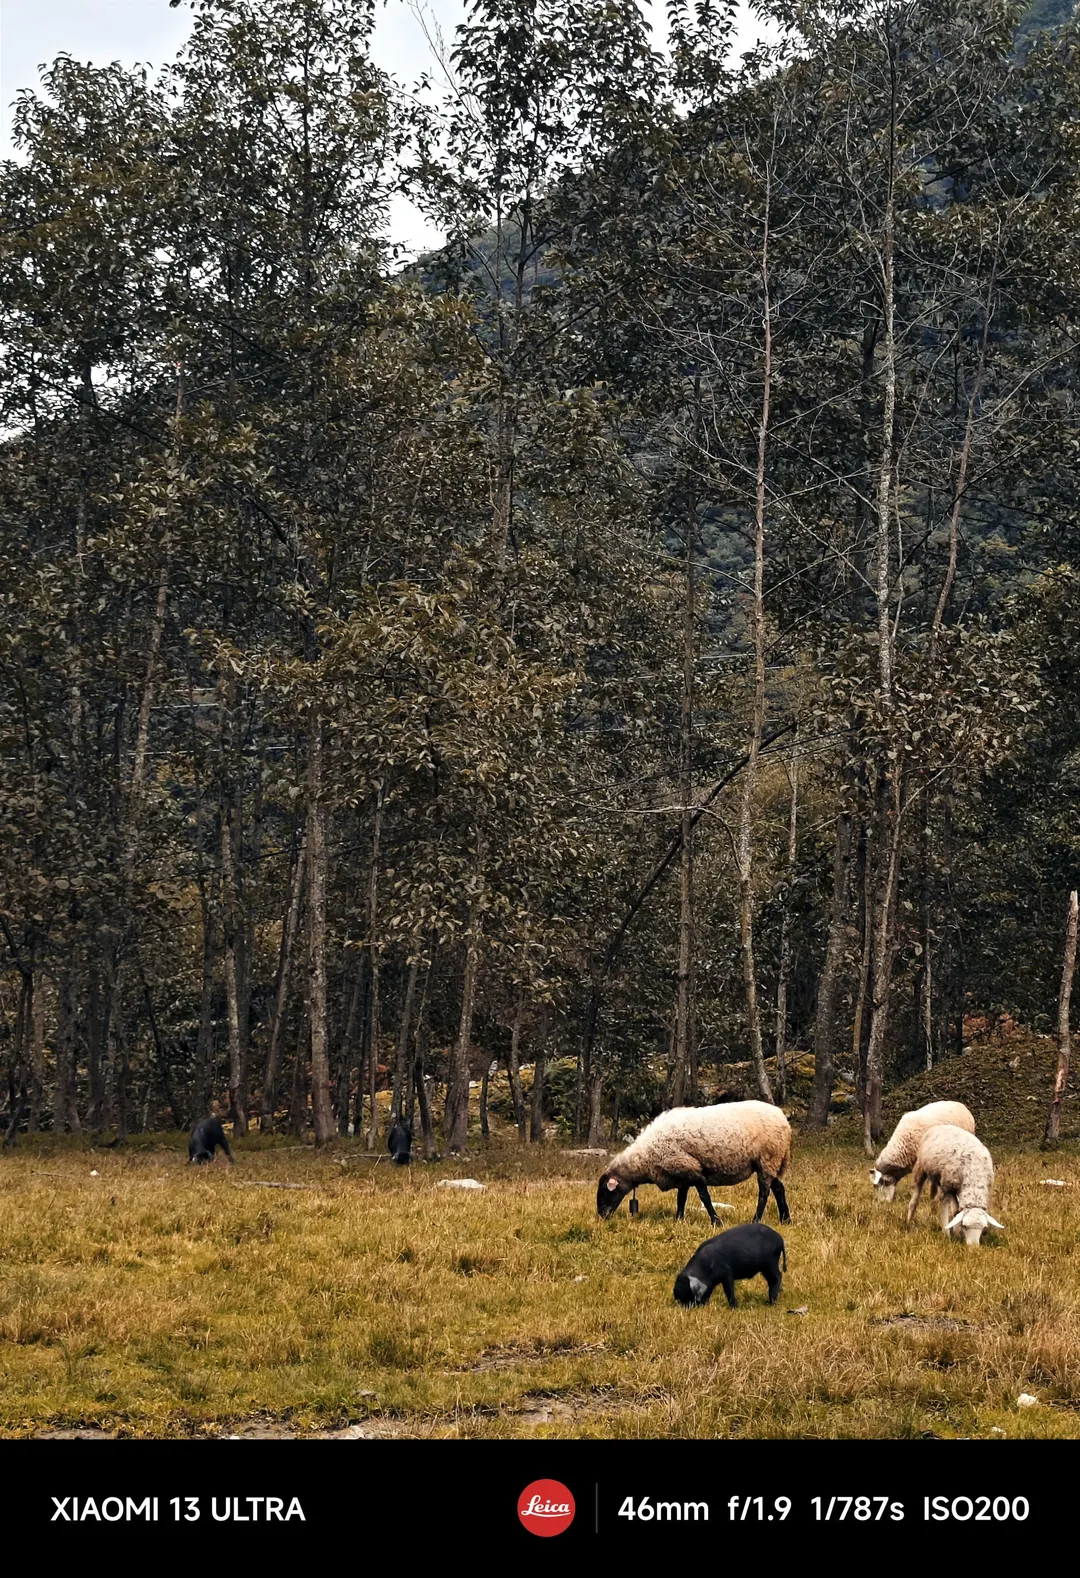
35	31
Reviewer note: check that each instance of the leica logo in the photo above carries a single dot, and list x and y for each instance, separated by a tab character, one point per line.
546	1507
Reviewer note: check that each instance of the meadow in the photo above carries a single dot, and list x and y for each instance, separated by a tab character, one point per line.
141	1297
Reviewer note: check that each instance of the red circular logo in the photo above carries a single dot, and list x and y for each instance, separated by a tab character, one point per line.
546	1507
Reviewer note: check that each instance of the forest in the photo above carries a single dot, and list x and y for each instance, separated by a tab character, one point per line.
634	646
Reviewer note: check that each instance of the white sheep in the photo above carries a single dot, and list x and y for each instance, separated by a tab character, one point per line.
697	1146
960	1170
898	1157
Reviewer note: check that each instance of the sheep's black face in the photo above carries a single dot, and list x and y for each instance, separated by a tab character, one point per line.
609	1192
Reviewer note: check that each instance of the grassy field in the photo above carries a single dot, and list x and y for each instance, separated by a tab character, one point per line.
142	1297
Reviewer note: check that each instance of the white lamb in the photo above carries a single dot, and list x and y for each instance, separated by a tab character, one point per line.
692	1147
960	1170
898	1157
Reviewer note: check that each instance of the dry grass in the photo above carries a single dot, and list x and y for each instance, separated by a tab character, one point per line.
158	1300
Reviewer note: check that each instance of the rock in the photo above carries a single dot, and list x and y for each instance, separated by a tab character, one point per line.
581	1279
461	1183
1025	1400
994	1431
803	1309
94	1173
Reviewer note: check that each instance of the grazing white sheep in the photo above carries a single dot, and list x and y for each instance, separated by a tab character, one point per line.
898	1157
960	1170
692	1147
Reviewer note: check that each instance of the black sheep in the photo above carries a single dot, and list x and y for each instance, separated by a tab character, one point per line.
205	1139
399	1143
747	1251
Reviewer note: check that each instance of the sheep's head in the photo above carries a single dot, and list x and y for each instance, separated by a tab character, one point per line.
973	1223
691	1290
884	1188
609	1192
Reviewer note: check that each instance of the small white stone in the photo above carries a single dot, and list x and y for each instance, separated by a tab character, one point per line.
994	1431
94	1172
1056	1183
461	1183
803	1309
1025	1400
581	1279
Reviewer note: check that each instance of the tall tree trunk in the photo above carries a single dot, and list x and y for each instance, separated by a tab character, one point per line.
232	908
744	848
66	1113
596	1105
322	1109
888	795
1052	1132
347	1060
204	1035
513	1068
233	971
375	971
784	963
401	1059
36	1052
825	1027
861	1021
536	1099
925	977
456	1116
485	1080
685	988
279	1016
121	1082
298	1101
16	1073
418	1090
884	950
427	1122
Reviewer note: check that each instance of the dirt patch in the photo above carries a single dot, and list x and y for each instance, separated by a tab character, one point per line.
514	1358
89	1434
921	1322
538	1408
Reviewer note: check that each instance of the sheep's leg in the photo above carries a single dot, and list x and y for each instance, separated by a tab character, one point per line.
680	1201
919	1180
775	1281
763	1182
780	1196
949	1205
706	1202
728	1285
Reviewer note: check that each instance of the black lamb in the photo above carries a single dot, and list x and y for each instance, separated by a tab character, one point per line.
747	1251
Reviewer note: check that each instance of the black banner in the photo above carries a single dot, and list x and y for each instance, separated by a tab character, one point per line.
682	1496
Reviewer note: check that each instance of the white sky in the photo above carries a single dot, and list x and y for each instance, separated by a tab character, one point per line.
149	31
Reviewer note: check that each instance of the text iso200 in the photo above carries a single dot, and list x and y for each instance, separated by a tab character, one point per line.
975	1509
859	1509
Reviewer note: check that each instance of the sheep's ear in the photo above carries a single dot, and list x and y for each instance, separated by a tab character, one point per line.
956	1221
875	1176
994	1223
613	1184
